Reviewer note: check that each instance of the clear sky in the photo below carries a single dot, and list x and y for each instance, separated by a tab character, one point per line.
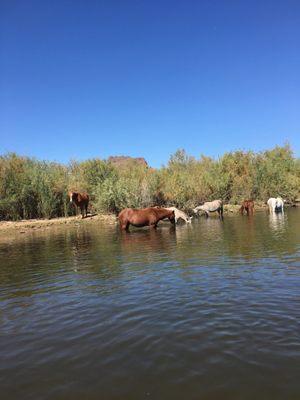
84	79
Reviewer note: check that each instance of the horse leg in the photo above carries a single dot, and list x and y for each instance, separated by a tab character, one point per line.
124	225
152	222
206	214
242	210
153	225
82	211
220	211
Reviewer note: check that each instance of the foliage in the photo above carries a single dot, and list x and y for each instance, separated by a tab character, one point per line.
30	188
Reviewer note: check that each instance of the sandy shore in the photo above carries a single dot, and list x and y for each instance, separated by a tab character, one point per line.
235	208
8	227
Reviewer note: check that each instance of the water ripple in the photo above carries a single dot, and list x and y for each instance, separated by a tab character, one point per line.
209	310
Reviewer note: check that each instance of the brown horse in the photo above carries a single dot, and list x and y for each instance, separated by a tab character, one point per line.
144	217
248	206
81	200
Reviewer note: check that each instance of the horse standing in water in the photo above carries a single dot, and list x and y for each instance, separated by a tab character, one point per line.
275	204
144	217
81	200
211	206
180	215
248	206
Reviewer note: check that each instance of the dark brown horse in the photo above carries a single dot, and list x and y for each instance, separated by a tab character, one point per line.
248	206
81	200
144	217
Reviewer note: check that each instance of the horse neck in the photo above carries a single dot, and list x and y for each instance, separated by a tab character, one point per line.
163	213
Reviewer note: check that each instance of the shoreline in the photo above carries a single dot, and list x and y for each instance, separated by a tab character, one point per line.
34	225
24	226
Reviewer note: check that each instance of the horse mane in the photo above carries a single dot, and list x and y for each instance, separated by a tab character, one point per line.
162	211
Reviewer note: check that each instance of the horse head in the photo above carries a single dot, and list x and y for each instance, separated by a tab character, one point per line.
199	208
72	196
172	217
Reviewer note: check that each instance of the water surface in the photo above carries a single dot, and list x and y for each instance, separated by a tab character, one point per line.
205	311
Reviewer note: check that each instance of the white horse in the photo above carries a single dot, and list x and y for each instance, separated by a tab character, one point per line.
211	206
180	215
275	204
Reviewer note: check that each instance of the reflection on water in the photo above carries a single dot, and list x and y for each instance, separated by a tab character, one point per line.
277	221
208	310
147	239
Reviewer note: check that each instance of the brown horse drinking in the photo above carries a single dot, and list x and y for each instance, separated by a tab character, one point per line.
144	217
248	206
81	200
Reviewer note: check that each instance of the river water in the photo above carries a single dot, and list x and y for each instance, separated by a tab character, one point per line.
204	311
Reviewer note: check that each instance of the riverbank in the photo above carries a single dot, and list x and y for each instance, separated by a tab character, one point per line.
235	208
24	226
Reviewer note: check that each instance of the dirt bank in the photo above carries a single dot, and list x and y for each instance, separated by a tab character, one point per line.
7	227
235	208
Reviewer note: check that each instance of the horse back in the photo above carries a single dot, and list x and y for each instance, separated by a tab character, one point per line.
83	197
213	205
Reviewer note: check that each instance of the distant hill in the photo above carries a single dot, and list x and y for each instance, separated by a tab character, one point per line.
124	160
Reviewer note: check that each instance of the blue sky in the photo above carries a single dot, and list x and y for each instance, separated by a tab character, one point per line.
82	79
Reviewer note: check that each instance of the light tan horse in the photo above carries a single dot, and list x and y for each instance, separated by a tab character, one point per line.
180	215
211	206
